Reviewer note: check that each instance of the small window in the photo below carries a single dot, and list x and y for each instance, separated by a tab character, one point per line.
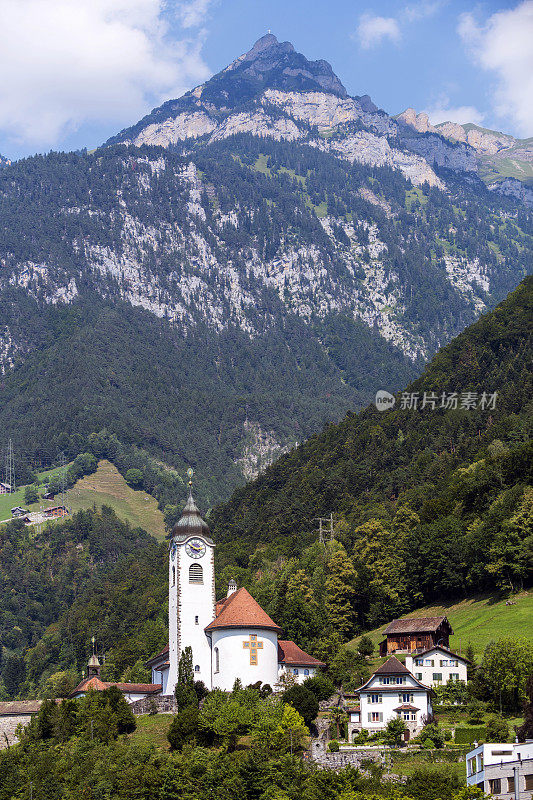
529	782
295	672
197	668
375	698
413	716
196	573
406	698
454	676
510	784
400	680
418	676
306	672
196	620
173	576
495	785
437	677
217	660
385	681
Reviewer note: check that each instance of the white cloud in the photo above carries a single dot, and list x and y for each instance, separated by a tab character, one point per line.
373	30
441	111
503	45
422	10
66	63
192	14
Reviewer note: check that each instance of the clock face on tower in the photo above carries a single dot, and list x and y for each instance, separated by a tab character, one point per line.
195	548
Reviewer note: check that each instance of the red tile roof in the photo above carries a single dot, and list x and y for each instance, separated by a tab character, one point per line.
290	653
241	611
416	625
406	707
99	686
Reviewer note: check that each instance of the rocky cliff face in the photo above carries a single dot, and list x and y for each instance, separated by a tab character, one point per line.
266	209
496	157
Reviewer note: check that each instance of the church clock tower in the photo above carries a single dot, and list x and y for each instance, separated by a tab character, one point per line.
191	598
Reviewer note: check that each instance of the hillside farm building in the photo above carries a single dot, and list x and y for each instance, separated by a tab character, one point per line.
416	633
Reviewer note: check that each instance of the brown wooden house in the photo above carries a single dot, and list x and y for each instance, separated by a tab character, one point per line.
416	633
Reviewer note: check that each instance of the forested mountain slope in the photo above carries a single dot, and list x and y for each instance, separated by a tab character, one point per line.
430	503
429	506
219	298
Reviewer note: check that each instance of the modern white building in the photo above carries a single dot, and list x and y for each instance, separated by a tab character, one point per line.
232	638
504	771
437	665
392	691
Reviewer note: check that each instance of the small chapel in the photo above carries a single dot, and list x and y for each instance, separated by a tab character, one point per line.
230	638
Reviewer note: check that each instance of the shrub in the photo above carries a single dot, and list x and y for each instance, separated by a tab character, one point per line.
304	701
476	712
333	746
428	744
321	686
134	478
497	730
365	646
433	733
183	728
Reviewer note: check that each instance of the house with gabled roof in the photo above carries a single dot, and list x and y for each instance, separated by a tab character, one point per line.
437	665
392	691
415	633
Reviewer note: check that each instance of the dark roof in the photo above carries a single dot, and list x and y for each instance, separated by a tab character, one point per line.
162	654
417	625
447	650
241	611
190	523
19	707
392	667
290	653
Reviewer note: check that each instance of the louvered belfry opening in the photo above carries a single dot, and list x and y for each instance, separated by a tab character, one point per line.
196	573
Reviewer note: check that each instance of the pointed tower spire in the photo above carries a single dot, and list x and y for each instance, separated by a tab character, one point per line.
94	666
190	523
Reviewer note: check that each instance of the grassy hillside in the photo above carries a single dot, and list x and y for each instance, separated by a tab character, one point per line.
478	620
106	486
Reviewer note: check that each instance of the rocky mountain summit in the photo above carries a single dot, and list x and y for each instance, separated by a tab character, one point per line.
266	249
274	91
4	162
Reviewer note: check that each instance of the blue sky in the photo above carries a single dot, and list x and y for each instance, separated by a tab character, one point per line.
74	72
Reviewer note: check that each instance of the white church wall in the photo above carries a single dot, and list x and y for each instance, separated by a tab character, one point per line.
234	657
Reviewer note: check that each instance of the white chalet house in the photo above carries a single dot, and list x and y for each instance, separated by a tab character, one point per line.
437	665
390	692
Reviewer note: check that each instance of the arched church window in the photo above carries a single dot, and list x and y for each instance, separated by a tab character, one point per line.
196	573
197	668
217	660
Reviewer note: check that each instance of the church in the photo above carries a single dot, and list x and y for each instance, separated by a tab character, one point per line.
230	638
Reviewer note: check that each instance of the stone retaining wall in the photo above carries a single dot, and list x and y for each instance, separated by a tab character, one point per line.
162	704
8	726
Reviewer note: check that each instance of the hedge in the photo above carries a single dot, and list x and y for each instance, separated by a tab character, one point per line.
469	735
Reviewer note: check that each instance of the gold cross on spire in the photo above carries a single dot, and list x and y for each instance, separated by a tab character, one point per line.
253	645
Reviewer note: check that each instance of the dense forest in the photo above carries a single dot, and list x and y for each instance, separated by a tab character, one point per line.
427	504
263	310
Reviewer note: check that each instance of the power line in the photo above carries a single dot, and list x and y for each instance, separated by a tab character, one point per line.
325	527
